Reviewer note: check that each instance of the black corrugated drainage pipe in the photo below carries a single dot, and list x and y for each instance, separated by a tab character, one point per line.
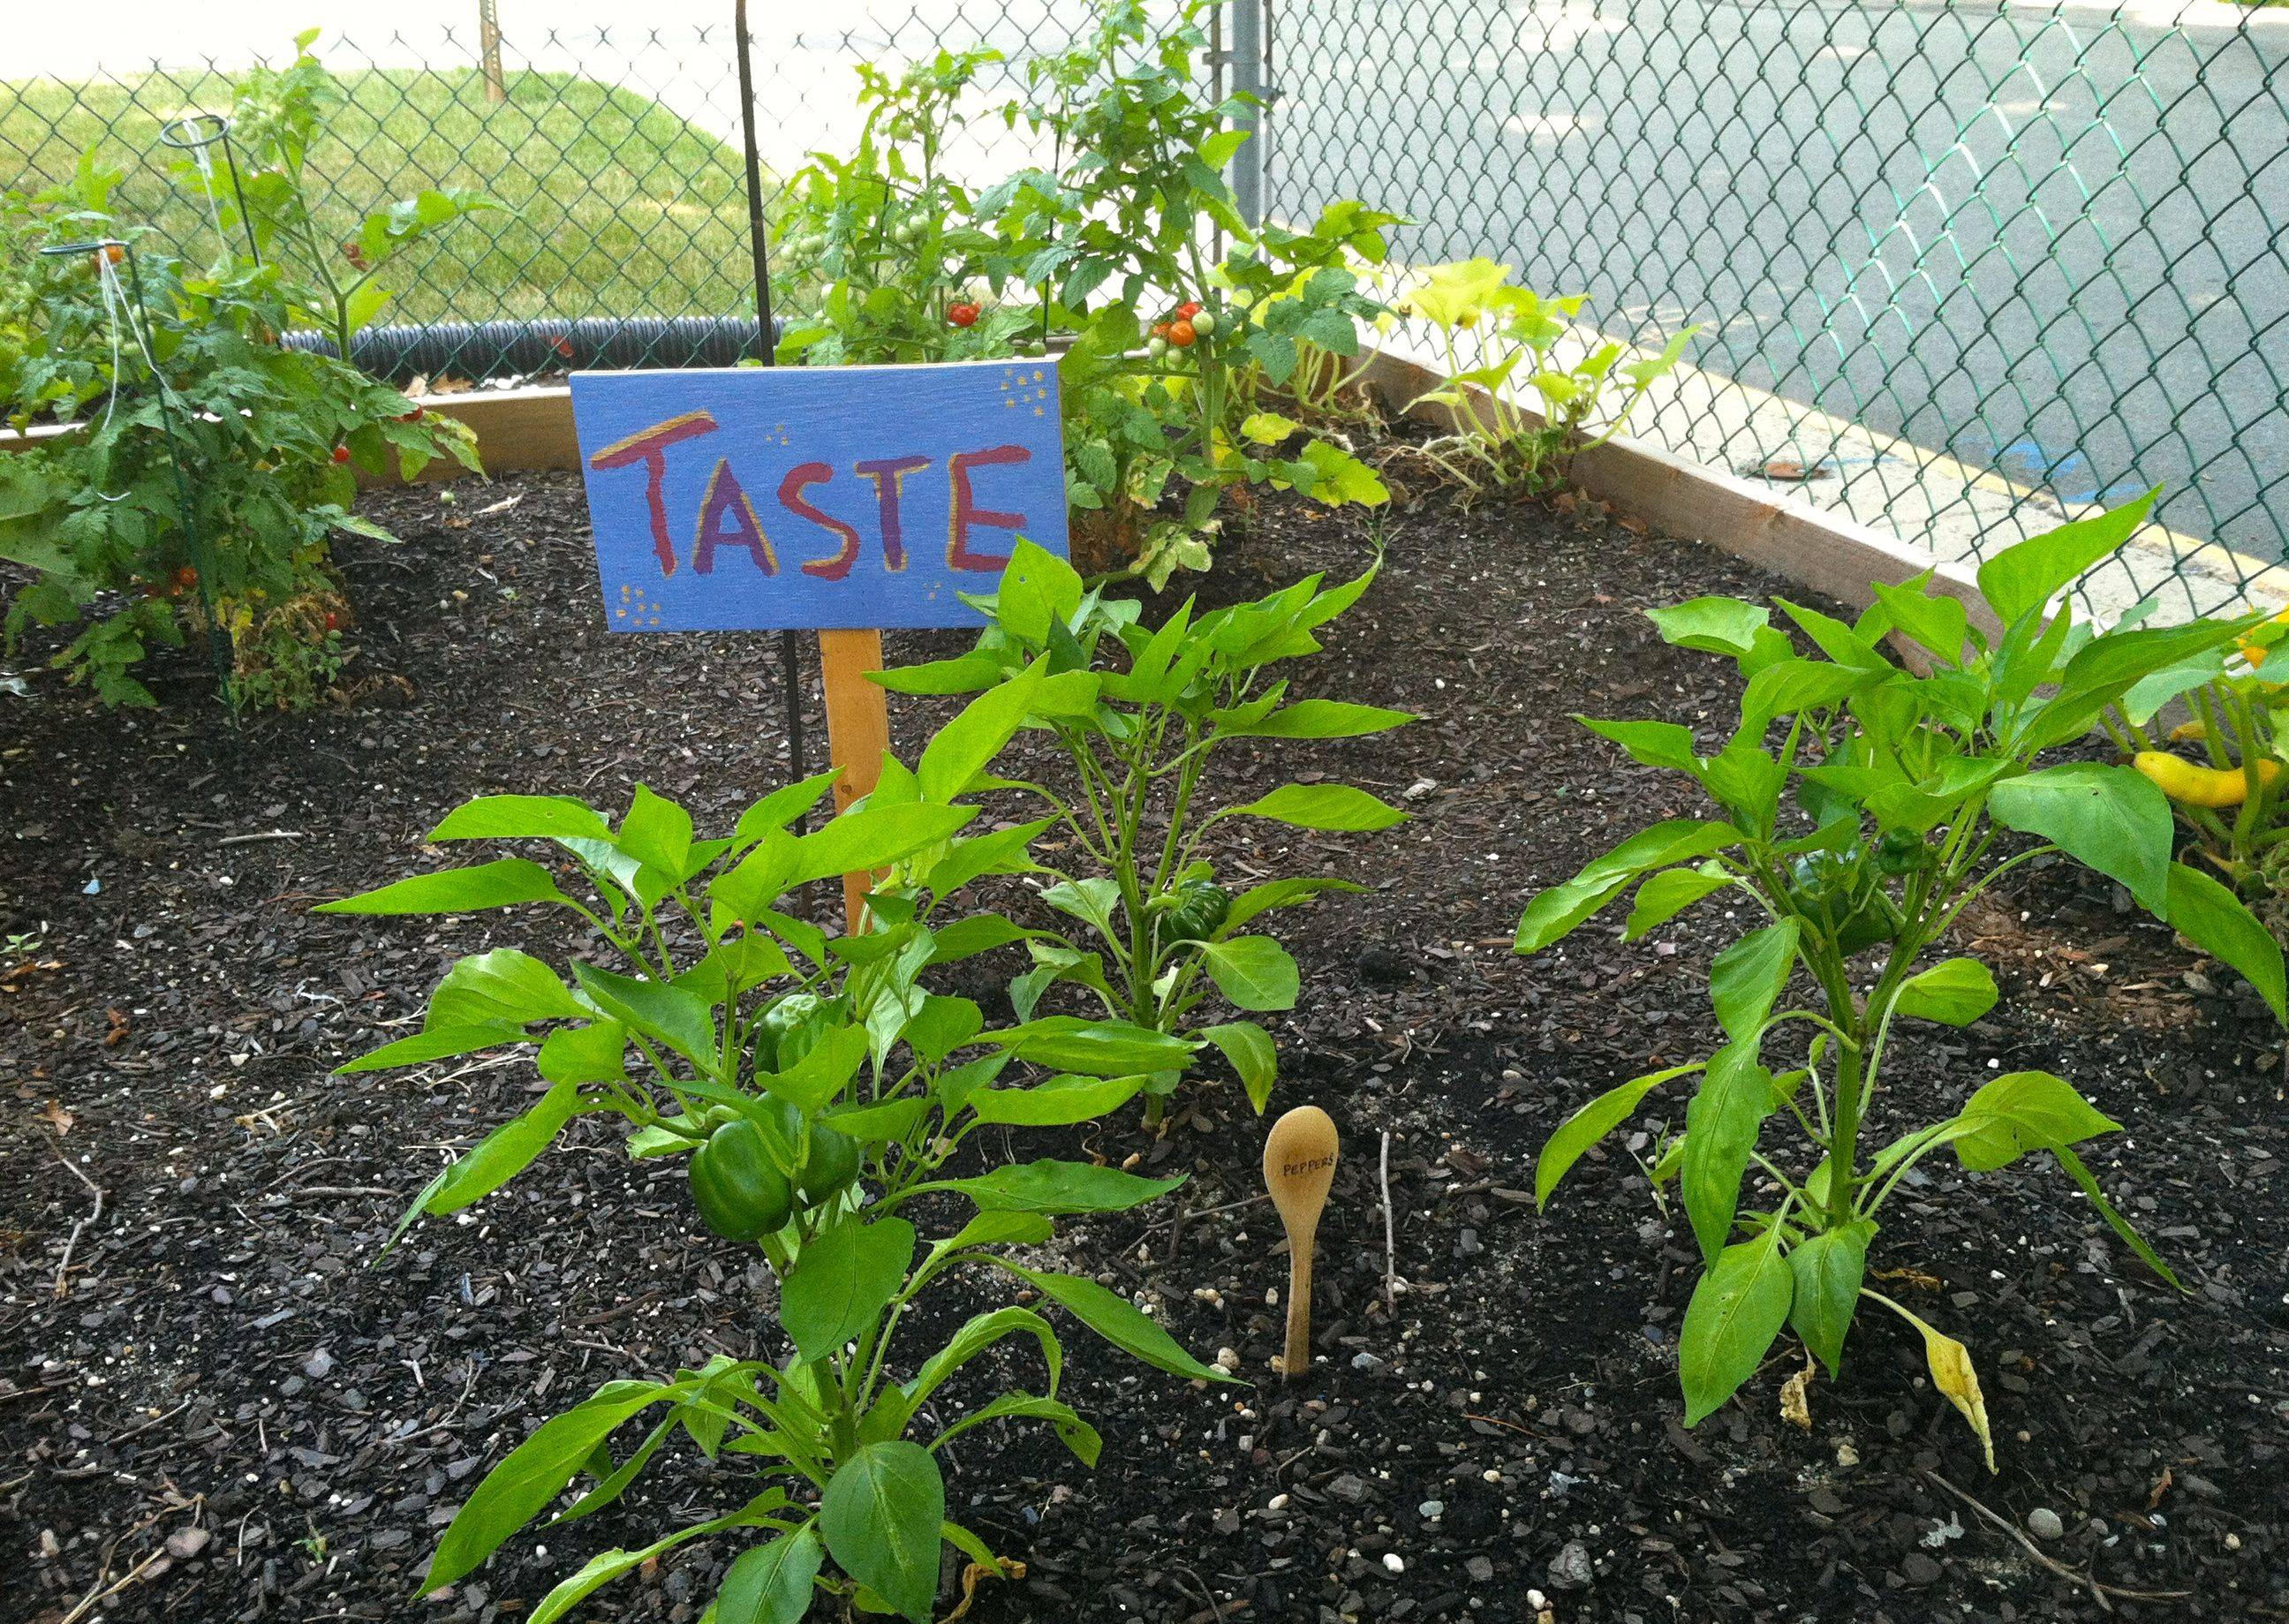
479	351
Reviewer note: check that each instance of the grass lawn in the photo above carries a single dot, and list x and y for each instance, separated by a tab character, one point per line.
616	205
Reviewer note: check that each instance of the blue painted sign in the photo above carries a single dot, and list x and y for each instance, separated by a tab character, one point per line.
777	497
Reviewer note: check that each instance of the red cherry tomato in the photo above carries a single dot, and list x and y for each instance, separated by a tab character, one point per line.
1189	308
341	454
1181	334
333	621
962	315
186	576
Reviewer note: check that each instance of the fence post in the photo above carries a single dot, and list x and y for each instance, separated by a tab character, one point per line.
489	43
1247	61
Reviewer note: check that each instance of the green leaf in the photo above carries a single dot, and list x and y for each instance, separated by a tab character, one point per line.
514	817
1954	992
2022	1112
1651	744
1336	806
1272	894
1720	1130
843	1278
1827	1267
2213	919
505	1152
1058	1102
1557	911
2110	818
1935	620
966	745
1037	587
1076	1434
1101	1048
1052	1186
660	1010
772	1583
1738	1308
534	1473
1589	1125
1256	972
501	883
657	833
881	1516
2022	578
1749	975
432	1043
871	838
1714	625
781	808
1323	719
1249	1049
604	1567
1670	893
1118	1322
501	988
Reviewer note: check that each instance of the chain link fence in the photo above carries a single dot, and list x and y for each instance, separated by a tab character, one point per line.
1959	270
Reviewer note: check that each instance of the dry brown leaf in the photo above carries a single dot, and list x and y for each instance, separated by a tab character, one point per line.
1796	1405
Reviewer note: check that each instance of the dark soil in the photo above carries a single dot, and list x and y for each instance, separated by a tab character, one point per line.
215	1404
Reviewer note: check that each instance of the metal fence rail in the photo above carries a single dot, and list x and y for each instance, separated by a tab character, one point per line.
1960	269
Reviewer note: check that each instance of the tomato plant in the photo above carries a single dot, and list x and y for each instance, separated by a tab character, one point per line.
1141	713
816	1088
1861	807
238	548
888	234
276	116
1582	402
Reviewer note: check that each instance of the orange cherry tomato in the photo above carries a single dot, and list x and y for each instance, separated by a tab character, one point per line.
1181	334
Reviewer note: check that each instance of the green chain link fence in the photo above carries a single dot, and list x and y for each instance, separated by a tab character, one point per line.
1960	269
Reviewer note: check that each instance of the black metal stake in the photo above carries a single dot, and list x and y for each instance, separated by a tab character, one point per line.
790	643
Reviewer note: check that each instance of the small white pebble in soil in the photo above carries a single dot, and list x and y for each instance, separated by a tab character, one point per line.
1391	1558
1277	1502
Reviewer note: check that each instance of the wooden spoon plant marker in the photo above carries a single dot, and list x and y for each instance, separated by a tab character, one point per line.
1299	1165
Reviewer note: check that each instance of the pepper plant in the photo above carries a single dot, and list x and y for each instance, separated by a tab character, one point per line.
817	1089
1861	807
1154	931
2232	800
1497	442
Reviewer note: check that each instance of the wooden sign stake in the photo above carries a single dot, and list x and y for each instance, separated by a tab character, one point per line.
1299	1166
857	732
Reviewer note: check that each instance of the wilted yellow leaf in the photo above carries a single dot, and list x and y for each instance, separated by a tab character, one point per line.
1952	1375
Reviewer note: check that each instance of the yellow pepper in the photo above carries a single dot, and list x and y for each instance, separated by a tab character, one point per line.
2201	786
